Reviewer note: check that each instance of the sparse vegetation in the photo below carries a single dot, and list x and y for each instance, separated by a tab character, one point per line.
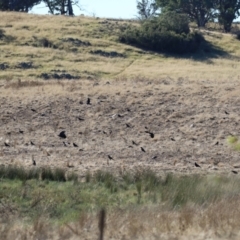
64	202
234	142
43	173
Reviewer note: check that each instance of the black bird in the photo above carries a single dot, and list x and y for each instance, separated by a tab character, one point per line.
235	172
134	143
172	139
6	144
128	125
21	131
150	133
80	119
226	112
32	143
62	134
110	157
154	157
75	145
196	165
119	115
216	143
143	149
34	162
32	109
89	101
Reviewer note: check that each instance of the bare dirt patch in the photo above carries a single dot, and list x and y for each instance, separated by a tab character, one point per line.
167	125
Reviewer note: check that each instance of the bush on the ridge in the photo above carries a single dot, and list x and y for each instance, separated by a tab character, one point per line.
167	33
2	33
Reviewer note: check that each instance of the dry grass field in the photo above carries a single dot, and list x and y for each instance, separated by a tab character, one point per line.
123	109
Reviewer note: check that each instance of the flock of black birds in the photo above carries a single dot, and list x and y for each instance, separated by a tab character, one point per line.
63	135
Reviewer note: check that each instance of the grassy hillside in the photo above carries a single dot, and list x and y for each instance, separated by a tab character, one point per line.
35	46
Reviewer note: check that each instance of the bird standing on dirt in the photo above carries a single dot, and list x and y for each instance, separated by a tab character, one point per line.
21	131
143	150
33	161
134	143
75	145
150	133
89	101
62	134
196	165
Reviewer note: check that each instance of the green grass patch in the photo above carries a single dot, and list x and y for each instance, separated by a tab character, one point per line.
44	173
59	200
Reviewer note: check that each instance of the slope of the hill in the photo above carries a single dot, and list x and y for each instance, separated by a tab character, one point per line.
36	46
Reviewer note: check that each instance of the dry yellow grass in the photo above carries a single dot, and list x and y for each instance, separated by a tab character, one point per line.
218	221
27	31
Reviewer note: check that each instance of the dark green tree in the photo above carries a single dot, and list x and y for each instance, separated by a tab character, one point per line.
63	7
200	11
228	10
18	5
146	9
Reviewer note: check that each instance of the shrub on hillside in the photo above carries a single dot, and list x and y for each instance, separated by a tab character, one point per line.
2	33
167	33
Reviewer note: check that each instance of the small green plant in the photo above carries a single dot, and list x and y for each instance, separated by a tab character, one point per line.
60	175
88	177
57	174
107	179
139	191
234	142
72	177
14	172
45	173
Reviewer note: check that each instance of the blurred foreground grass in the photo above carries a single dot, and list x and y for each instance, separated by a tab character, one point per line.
139	205
53	195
